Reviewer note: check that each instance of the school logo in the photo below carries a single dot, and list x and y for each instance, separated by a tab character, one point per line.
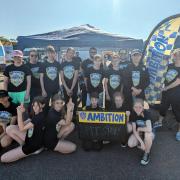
171	75
95	79
30	132
135	78
114	81
140	123
5	116
69	71
51	72
123	66
16	77
82	115
35	72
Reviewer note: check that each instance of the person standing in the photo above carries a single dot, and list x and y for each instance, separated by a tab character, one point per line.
17	79
34	66
49	75
69	77
137	78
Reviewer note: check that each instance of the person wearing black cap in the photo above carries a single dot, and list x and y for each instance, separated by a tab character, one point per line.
8	116
136	78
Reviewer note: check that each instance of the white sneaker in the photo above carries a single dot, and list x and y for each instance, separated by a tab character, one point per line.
38	151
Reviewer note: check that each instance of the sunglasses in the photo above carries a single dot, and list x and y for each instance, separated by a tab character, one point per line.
33	55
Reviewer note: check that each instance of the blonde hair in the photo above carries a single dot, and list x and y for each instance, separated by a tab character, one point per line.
115	55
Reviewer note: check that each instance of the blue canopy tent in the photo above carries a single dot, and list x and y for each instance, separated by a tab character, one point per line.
82	36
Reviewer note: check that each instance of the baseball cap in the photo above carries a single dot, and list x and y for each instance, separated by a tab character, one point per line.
136	51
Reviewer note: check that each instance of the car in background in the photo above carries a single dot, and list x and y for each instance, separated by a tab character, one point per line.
2	58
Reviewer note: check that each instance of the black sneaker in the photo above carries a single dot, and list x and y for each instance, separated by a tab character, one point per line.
87	145
97	145
123	145
145	159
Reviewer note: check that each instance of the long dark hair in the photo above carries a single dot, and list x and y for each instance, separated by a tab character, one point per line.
40	101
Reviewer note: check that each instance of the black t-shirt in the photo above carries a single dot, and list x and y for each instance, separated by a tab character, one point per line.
51	130
89	108
34	136
7	113
35	78
68	69
115	80
123	65
123	108
139	119
172	74
86	64
136	76
51	76
17	77
94	80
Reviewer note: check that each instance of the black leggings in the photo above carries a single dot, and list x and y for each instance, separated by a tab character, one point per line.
172	99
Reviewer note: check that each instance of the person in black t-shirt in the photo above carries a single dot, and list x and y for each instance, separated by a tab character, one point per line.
69	77
113	80
94	79
85	65
8	115
29	134
136	78
59	125
171	91
93	144
49	75
124	59
142	135
118	105
17	79
34	66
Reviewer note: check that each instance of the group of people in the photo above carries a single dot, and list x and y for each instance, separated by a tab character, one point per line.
39	102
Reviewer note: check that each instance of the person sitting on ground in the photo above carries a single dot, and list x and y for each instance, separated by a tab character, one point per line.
29	133
8	116
59	125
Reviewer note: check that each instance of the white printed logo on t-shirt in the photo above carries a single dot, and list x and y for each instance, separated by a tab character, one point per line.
35	72
95	79
51	72
171	75
69	71
135	78
114	81
16	77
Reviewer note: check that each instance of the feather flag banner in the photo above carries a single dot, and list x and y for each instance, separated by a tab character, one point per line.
157	53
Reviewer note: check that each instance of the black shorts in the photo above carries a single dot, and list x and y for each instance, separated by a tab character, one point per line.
29	149
51	144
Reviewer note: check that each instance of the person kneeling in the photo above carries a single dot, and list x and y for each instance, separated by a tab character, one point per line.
29	134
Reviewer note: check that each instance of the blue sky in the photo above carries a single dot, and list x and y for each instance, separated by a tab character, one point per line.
133	18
